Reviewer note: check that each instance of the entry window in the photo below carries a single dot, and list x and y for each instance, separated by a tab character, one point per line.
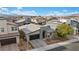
1	29
14	28
35	36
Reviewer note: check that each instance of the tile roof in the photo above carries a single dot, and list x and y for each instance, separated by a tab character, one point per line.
30	28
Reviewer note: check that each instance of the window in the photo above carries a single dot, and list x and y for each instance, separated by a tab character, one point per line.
14	28
1	29
35	36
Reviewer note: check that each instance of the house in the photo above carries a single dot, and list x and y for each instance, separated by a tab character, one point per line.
39	20
8	32
73	22
23	20
36	33
34	30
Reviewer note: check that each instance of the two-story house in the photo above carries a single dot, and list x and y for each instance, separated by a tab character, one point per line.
8	32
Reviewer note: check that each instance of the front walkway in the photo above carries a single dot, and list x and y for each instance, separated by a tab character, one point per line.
37	43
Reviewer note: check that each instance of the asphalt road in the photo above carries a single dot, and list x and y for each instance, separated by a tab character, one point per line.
70	47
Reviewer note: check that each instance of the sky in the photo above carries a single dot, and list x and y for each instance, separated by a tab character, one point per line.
39	11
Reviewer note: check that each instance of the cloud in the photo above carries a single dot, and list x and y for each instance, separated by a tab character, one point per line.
64	10
4	10
54	13
61	13
18	12
19	8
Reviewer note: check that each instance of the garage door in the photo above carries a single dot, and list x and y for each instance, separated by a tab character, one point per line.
8	41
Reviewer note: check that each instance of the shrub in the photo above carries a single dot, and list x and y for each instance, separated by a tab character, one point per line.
64	30
22	34
21	37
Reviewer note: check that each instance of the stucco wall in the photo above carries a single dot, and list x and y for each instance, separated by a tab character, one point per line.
3	25
7	27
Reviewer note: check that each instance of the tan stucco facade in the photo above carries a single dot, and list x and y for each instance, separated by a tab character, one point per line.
8	32
7	27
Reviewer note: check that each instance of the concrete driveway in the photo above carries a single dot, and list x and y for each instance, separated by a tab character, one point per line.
11	47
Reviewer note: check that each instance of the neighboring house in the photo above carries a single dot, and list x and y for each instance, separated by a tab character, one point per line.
40	20
8	32
23	21
74	23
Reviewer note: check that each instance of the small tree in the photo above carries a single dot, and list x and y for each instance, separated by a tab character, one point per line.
63	31
21	36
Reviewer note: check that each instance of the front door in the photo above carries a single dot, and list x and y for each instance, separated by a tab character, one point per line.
43	34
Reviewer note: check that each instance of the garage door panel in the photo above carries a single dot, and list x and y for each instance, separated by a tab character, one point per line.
8	41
